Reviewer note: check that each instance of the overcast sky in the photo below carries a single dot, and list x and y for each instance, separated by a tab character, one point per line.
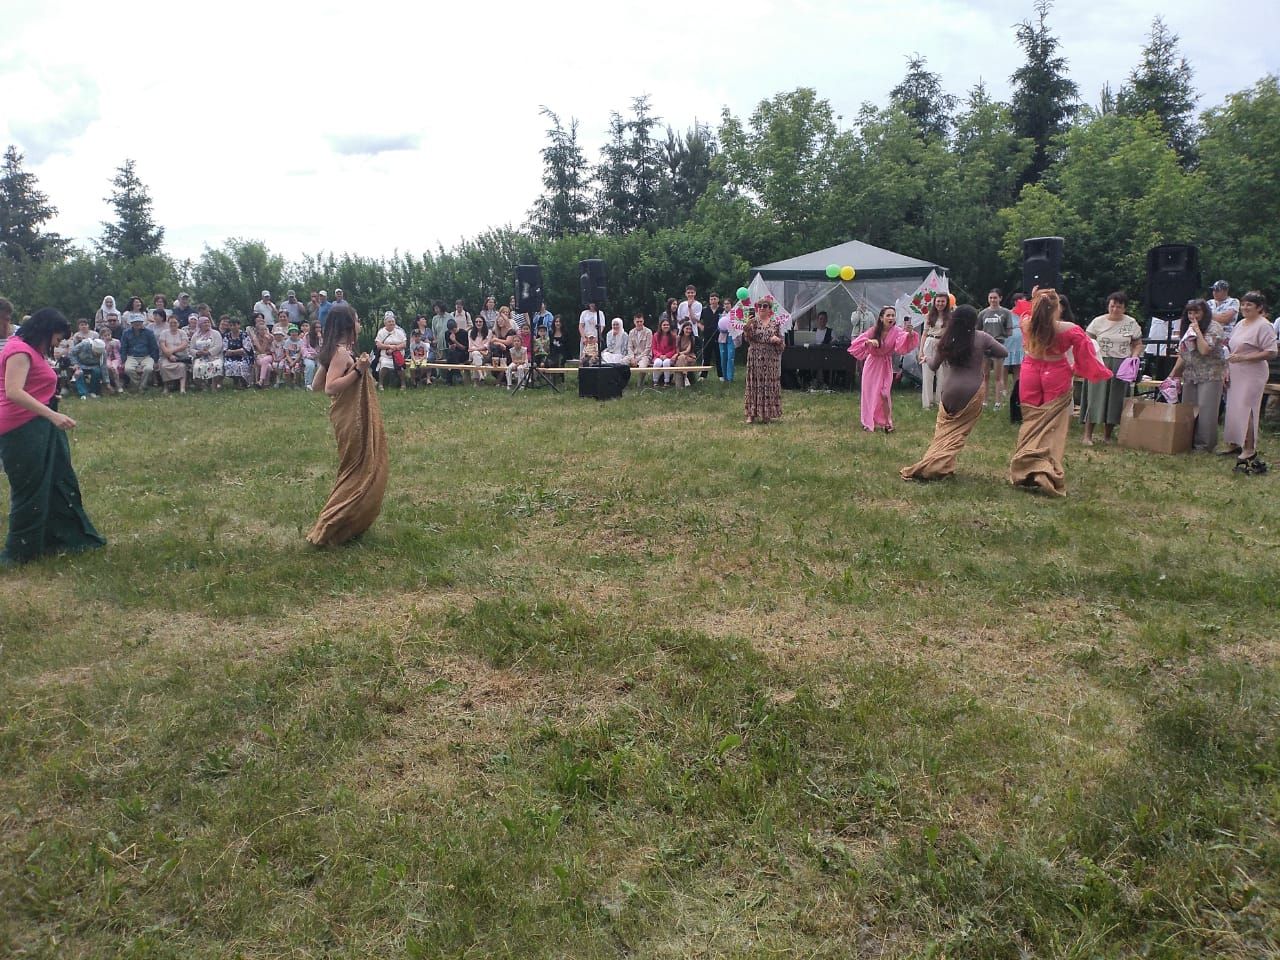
373	126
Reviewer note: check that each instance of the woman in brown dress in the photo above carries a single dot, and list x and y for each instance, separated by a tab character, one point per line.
763	334
357	493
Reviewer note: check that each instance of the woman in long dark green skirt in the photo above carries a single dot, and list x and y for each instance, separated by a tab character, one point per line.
45	511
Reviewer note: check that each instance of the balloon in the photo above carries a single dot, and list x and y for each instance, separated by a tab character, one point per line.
743	293
847	273
951	300
833	271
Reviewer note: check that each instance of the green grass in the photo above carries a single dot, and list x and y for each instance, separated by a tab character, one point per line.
635	680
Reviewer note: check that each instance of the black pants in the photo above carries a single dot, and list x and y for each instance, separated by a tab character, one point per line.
1015	402
711	355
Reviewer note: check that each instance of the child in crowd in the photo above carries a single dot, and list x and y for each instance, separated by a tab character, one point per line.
112	361
65	368
541	346
518	367
419	357
293	347
279	361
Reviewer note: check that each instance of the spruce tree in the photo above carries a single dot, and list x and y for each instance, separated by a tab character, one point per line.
24	210
921	98
1044	97
563	209
1161	84
134	234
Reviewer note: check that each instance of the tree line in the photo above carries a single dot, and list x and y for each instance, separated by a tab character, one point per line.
957	180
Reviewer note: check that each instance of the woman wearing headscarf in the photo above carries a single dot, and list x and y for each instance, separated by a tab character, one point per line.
615	343
109	316
45	511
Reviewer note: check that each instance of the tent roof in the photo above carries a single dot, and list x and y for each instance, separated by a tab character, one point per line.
872	263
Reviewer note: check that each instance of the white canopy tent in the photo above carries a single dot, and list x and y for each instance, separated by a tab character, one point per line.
802	287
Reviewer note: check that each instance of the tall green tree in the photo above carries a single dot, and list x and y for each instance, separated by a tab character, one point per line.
920	96
614	203
1117	190
1044	97
1161	84
645	159
1239	188
781	159
134	232
24	210
687	174
564	207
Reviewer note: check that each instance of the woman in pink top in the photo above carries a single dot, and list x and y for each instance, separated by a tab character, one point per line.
664	351
1045	391
45	512
877	347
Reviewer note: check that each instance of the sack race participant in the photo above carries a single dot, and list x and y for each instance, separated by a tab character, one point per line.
356	498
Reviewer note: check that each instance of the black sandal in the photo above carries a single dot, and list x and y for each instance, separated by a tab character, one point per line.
1251	466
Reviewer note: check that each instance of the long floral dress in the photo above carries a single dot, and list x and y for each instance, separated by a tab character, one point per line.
763	400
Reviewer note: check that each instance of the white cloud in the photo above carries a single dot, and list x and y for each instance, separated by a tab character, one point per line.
374	127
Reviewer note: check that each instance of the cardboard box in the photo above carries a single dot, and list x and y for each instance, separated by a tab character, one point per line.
1158	427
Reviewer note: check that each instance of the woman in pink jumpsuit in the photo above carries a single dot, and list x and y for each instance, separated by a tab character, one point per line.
877	347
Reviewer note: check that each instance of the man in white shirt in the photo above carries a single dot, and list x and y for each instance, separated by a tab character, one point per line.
590	326
1224	307
691	309
265	307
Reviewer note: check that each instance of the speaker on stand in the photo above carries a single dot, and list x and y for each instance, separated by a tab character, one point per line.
1173	278
529	293
1042	263
591	283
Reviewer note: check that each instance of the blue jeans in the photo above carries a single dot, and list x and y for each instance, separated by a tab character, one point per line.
727	350
89	381
309	370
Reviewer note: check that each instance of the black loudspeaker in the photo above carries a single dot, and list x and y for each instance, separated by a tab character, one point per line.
1173	277
529	294
603	383
1042	263
591	283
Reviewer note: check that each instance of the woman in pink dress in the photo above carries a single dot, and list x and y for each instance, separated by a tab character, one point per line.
877	348
1253	344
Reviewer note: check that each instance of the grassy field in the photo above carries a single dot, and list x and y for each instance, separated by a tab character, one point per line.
635	680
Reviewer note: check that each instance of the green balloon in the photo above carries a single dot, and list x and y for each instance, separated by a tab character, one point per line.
743	293
833	271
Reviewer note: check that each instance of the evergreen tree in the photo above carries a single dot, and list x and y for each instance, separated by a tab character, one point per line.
1161	84
134	234
614	202
24	209
645	159
920	97
686	165
1044	98
563	210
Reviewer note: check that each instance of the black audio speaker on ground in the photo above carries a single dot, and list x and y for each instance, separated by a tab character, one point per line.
591	283
1173	277
605	382
1042	263
528	288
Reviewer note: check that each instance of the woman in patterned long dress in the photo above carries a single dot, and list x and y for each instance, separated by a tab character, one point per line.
763	334
237	356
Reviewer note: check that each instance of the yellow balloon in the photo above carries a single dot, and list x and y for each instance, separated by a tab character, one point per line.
847	273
